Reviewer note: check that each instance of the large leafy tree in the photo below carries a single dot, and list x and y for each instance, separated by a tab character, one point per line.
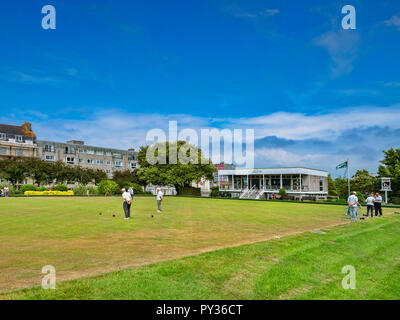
331	186
125	178
391	168
363	182
186	165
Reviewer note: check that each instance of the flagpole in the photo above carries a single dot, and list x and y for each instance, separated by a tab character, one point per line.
348	178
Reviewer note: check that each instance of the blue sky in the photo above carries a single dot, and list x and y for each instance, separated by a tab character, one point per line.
314	93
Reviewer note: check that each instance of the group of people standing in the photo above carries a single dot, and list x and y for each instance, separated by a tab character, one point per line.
127	197
4	192
374	203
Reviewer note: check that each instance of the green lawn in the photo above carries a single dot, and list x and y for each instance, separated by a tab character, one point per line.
69	234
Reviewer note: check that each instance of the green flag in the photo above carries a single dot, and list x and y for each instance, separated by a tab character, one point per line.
342	165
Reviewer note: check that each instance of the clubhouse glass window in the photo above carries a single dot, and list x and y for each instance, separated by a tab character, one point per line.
321	184
19	152
3	150
3	136
18	138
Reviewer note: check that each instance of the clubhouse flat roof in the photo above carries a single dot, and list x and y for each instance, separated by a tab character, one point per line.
274	171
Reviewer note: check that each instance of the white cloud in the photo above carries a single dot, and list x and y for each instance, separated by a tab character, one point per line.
346	132
342	48
393	21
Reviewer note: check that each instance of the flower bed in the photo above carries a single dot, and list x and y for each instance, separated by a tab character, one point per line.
49	193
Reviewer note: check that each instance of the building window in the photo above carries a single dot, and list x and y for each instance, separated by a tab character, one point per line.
108	171
80	150
100	153
18	138
117	155
48	148
49	158
70	160
90	161
80	160
90	151
3	150
108	162
321	184
3	136
118	163
99	161
133	165
108	153
69	150
19	152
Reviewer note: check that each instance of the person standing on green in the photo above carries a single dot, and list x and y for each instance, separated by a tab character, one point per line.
353	203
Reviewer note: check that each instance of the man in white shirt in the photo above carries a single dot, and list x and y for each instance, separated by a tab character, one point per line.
126	196
352	201
6	191
159	199
378	204
370	205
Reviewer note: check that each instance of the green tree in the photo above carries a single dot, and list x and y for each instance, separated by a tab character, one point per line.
341	187
364	182
332	186
180	174
108	187
391	168
124	178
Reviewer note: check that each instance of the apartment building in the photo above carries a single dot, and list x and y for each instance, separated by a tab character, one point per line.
17	141
75	152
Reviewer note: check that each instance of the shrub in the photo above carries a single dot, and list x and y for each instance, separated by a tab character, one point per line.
108	187
27	187
60	187
93	190
282	192
189	191
41	189
49	193
137	189
215	192
361	198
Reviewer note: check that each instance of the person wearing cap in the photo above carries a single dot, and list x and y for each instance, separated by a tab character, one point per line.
353	203
378	204
126	196
159	194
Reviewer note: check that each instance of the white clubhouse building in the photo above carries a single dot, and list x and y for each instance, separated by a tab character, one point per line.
258	183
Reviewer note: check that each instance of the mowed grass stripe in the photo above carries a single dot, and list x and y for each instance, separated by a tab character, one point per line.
305	266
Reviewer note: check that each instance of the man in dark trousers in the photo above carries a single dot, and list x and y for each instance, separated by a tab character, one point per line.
126	196
378	204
